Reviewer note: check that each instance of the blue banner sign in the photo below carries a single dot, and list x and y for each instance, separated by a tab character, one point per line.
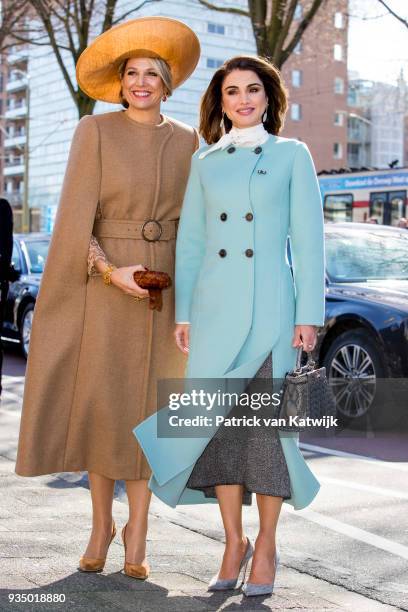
374	181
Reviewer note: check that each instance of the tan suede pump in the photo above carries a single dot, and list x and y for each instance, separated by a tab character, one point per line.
134	570
88	564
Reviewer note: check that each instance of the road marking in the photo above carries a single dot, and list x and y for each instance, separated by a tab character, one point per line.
12	379
352	532
403	467
362	487
8	395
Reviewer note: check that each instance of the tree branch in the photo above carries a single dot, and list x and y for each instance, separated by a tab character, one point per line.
303	25
393	13
224	9
124	15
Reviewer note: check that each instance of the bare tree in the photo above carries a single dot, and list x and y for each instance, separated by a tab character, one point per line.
275	28
393	13
11	14
67	27
273	22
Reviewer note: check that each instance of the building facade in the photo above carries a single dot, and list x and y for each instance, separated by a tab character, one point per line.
377	123
15	135
315	75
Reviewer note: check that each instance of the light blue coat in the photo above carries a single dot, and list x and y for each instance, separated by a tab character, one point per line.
241	307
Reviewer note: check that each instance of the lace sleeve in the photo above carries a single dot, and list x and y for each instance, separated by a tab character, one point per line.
95	252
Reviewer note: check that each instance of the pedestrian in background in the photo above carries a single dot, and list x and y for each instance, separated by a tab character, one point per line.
403	222
6	251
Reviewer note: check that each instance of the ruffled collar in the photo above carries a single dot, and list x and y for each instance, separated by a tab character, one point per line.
241	137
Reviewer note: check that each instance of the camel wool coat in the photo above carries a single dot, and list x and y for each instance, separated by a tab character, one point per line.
96	353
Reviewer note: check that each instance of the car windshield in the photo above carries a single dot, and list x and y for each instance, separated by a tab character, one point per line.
37	253
361	255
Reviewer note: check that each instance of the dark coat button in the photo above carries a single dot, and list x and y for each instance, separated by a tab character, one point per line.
258	150
249	216
223	216
231	149
222	252
249	252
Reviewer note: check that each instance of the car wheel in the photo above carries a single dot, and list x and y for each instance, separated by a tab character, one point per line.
25	328
353	366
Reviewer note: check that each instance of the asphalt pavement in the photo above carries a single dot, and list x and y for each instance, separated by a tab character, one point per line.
348	550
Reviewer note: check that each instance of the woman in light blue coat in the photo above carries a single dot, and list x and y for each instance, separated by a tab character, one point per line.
237	304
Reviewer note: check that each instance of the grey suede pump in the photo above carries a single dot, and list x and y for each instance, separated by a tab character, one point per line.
222	584
251	589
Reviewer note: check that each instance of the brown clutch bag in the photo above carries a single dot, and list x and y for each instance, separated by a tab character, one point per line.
154	282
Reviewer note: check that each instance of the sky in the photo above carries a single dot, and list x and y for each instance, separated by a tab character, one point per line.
378	43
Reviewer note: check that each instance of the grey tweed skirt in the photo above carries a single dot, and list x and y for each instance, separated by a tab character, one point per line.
250	456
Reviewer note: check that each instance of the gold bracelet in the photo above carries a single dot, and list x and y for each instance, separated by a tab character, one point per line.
107	274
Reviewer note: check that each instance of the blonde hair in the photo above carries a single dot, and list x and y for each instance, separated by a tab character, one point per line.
160	65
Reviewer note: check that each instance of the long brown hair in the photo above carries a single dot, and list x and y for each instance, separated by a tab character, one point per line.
211	102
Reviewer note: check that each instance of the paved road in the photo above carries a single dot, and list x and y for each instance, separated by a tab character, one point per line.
348	550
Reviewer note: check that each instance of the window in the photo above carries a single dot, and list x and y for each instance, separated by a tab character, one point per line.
338	207
215	28
338	118
296	112
338	85
212	62
338	52
298	14
298	48
297	78
337	150
338	20
15	258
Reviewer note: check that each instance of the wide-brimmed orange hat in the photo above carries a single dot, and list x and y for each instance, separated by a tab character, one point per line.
97	67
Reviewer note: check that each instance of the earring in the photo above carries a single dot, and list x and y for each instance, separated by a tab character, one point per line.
222	124
265	115
164	98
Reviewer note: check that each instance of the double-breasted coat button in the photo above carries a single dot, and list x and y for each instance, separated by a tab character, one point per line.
223	216
222	252
258	150
249	252
249	216
231	149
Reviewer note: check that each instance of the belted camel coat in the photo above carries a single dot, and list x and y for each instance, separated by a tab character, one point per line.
95	352
233	282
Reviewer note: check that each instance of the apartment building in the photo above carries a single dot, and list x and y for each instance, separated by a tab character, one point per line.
14	129
315	74
377	122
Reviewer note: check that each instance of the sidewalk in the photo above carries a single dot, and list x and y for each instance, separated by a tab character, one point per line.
45	524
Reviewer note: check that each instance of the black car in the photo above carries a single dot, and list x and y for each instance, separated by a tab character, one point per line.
365	336
29	255
366	329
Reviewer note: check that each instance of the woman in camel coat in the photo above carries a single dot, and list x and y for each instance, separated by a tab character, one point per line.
97	350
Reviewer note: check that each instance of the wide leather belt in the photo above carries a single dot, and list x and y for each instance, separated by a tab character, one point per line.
150	229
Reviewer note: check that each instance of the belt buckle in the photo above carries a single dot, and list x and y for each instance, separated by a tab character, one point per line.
158	225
